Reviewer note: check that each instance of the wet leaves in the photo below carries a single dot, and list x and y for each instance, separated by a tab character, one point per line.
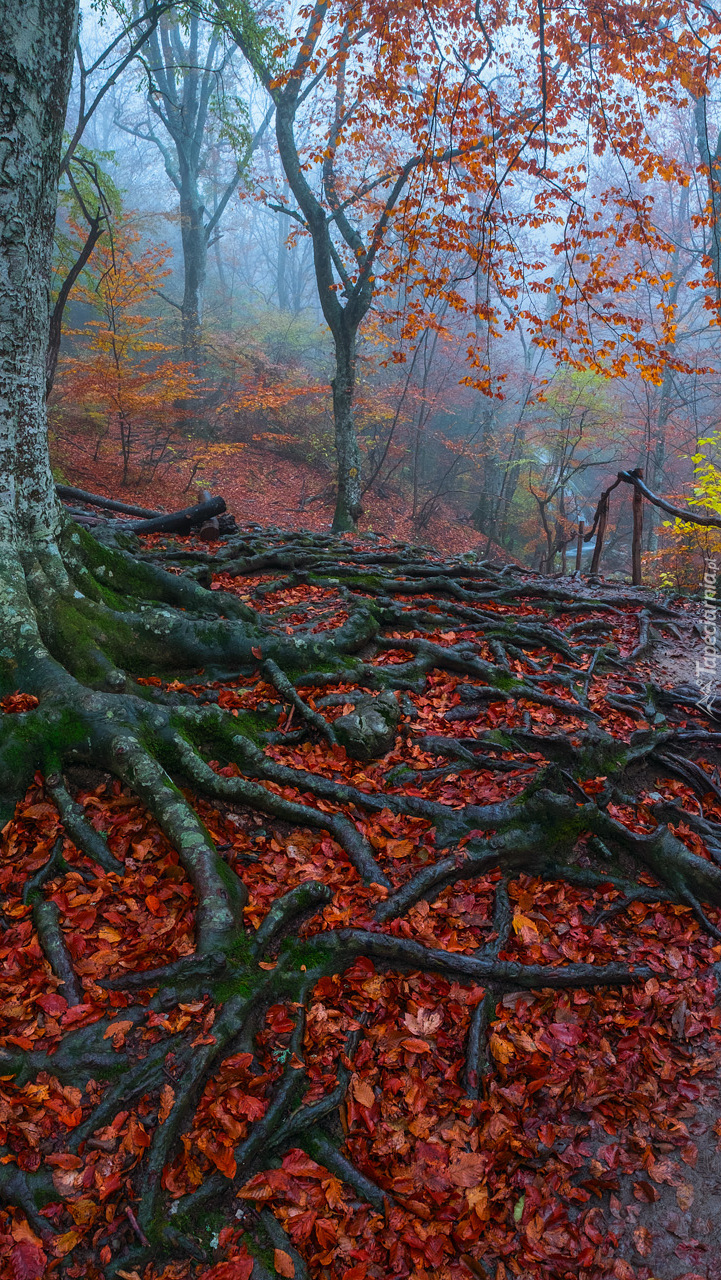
588	1090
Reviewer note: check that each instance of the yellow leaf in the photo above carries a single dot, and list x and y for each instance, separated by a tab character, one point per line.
108	934
501	1049
523	926
64	1243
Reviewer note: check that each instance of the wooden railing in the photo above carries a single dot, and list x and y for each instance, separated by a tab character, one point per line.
641	492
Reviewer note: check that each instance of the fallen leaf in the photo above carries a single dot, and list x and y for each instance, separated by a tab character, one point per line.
363	1093
684	1196
283	1263
643	1241
167	1098
117	1028
501	1049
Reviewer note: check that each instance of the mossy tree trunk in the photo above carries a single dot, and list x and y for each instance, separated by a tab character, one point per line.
36	51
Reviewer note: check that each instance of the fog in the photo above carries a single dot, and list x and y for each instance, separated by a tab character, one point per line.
503	367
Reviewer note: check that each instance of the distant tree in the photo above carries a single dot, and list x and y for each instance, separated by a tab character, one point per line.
124	373
185	62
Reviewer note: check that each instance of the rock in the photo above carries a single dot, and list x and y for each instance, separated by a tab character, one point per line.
370	730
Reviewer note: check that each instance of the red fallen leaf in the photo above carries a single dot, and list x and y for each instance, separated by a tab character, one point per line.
82	1013
167	1098
15	703
569	1033
250	1107
689	1154
106	1186
468	1170
622	1270
326	1233
42	812
53	1004
645	1191
256	652
27	1261
414	1046
237	1269
301	1165
283	1263
63	1160
221	1155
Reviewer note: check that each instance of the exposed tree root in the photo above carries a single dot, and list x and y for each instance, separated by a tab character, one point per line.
86	624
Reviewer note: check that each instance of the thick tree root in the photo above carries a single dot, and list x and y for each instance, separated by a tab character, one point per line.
86	625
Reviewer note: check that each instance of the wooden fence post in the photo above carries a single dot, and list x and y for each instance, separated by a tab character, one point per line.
579	546
600	532
637	533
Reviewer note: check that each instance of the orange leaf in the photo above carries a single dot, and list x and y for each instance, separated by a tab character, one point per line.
415	1046
685	1196
167	1098
117	1028
283	1263
363	1093
501	1049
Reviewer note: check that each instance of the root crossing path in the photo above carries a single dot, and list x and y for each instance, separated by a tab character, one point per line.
359	912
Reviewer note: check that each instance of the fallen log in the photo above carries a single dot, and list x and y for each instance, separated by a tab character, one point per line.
180	521
68	492
210	529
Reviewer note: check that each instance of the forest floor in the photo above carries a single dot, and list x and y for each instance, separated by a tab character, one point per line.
580	1140
260	485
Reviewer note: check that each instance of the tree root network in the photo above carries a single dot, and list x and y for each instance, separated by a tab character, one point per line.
203	689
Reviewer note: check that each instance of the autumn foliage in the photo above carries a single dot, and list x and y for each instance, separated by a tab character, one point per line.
123	382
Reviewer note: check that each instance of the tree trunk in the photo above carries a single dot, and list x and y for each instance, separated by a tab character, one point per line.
195	254
348	503
37	42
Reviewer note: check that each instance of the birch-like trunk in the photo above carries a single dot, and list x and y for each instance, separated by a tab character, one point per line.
36	45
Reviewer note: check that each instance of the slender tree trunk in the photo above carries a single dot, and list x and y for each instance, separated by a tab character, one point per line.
195	256
282	263
36	61
348	503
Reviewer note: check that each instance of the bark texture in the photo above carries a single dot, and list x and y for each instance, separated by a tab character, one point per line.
35	65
